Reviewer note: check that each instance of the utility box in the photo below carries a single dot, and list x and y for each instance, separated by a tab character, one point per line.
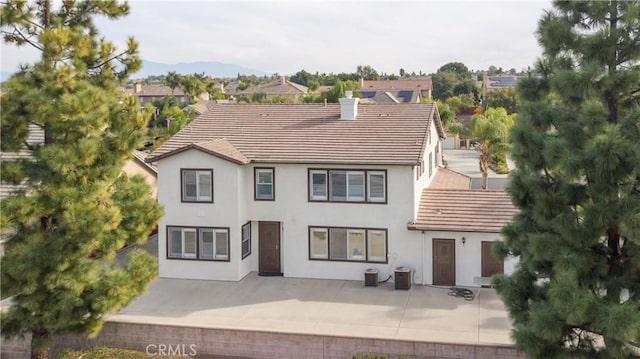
371	278
403	278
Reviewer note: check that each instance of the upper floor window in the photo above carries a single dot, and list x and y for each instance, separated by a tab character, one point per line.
197	185
264	184
347	185
198	243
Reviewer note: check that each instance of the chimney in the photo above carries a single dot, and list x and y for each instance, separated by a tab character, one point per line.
283	79
348	106
137	87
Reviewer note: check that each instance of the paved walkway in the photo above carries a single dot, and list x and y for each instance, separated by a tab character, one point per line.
325	307
466	162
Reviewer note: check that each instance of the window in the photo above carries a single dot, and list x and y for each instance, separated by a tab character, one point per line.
430	164
197	185
246	240
198	243
264	184
376	186
347	186
318	247
348	244
318	185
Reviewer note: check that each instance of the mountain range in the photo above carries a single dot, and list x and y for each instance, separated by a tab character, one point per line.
210	68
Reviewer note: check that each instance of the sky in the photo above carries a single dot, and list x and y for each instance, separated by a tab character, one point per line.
326	36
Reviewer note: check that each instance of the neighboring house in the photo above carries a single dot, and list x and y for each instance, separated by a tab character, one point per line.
290	92
405	90
138	166
36	136
490	83
149	93
392	96
302	190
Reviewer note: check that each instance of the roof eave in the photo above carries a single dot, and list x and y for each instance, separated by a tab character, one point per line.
199	148
421	227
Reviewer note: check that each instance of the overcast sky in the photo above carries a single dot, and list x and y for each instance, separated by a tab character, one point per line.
327	36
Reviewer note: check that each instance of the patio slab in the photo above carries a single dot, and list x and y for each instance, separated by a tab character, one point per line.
323	307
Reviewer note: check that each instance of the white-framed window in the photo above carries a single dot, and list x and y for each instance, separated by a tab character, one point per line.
197	185
376	246
246	240
318	185
348	244
202	243
182	242
318	243
264	189
376	191
347	185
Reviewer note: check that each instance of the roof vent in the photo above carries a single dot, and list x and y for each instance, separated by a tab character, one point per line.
348	106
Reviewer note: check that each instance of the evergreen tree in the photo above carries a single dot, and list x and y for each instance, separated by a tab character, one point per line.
75	207
577	185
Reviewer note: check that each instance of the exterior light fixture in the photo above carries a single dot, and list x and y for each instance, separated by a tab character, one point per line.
464	240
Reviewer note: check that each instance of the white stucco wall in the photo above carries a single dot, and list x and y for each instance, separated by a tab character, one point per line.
468	256
296	214
424	180
223	212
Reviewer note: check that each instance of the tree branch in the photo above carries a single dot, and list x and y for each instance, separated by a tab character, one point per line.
17	33
115	57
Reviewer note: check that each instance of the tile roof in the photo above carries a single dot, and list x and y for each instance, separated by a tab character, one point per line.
308	133
459	210
35	136
448	179
402	84
276	87
141	156
494	82
392	96
155	91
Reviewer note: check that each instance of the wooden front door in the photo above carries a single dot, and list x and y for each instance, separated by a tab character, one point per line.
490	264
269	248
444	262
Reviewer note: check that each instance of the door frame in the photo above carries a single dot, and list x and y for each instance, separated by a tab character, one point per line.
433	259
278	249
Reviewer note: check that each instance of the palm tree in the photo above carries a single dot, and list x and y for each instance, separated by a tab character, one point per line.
172	80
490	130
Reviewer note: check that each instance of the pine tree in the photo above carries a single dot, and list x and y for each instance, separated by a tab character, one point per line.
76	208
576	146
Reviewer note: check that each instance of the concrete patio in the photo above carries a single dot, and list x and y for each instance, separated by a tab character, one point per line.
323	307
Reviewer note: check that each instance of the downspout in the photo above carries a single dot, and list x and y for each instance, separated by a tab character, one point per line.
424	238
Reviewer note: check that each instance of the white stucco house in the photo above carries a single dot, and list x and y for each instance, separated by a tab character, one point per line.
310	191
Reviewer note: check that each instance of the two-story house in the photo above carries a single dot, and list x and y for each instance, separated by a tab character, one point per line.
300	190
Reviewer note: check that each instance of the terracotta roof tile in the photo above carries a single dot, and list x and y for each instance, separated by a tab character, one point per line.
156	91
448	179
310	133
464	210
402	84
